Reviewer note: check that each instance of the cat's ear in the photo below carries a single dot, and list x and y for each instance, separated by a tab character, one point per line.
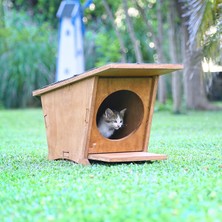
122	112
108	113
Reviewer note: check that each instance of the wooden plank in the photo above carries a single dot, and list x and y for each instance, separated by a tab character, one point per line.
116	70
66	113
127	157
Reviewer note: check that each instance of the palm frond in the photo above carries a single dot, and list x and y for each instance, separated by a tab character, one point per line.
202	16
194	11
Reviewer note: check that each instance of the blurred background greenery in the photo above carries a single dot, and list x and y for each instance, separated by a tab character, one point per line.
149	31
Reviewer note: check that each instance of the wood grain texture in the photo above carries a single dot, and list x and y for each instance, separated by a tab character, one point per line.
67	117
127	157
152	100
134	141
116	70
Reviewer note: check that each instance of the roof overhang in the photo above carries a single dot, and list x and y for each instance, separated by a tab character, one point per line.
115	70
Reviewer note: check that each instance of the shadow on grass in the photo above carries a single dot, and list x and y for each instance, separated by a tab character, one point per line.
108	164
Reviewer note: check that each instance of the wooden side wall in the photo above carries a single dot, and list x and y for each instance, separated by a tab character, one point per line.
153	94
67	112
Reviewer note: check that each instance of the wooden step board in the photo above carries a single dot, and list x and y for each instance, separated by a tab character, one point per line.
126	157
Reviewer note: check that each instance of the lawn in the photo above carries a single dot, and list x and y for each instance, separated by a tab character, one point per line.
186	187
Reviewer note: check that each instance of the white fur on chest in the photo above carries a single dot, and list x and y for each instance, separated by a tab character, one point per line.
105	129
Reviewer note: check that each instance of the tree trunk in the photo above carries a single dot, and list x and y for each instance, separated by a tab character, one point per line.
195	95
120	39
176	80
193	85
158	40
162	95
135	42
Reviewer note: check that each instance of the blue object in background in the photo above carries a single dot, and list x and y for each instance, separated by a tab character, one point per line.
70	51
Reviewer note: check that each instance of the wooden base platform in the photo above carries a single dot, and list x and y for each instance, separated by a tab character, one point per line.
126	157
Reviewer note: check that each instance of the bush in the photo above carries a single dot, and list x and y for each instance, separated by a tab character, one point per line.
27	59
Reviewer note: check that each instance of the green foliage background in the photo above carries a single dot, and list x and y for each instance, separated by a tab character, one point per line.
27	59
28	43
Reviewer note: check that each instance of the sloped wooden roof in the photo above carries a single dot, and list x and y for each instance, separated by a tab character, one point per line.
115	70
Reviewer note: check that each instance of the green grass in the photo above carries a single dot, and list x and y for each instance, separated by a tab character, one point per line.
186	187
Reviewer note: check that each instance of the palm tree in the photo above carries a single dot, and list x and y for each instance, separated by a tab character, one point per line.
204	23
199	17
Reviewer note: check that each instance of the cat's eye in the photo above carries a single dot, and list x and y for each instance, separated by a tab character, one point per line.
115	121
121	121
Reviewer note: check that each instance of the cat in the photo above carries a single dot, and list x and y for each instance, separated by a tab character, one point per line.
110	121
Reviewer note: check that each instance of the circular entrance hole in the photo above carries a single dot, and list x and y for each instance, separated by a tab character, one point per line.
133	116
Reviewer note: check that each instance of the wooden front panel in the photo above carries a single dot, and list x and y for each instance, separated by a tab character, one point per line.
135	141
67	119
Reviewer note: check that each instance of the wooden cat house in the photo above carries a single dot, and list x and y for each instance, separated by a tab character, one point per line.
73	107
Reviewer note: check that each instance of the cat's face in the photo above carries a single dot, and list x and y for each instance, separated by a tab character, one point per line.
114	119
